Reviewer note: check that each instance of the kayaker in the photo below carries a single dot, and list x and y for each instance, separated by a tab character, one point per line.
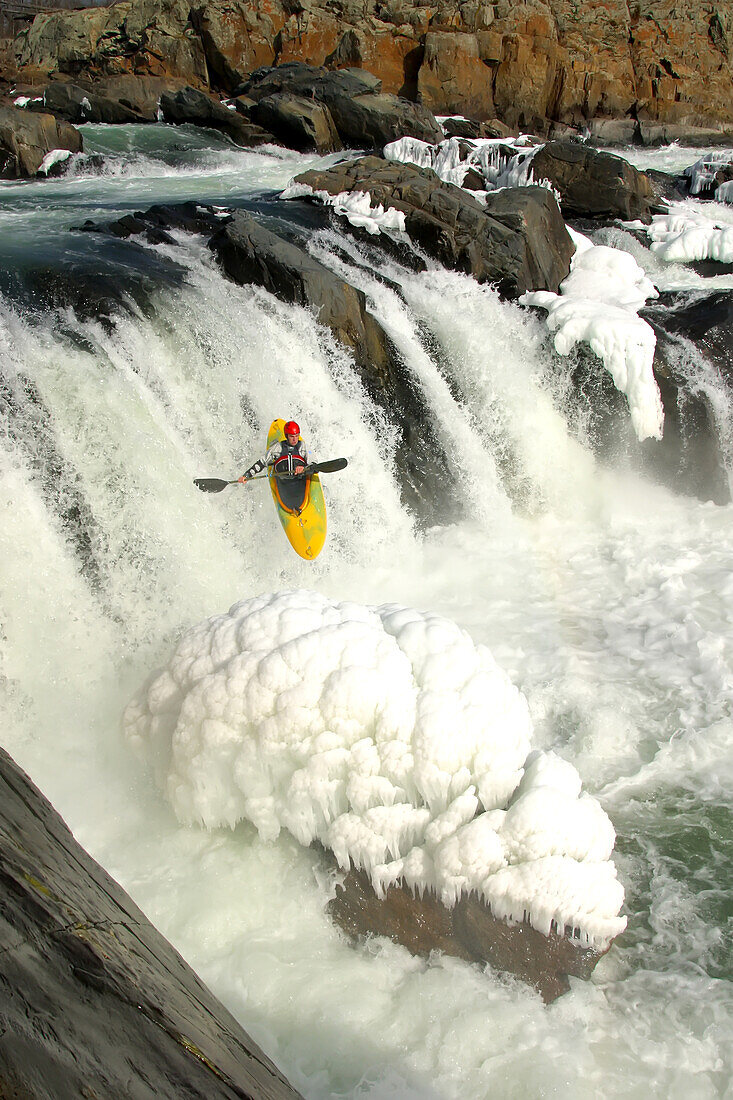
289	456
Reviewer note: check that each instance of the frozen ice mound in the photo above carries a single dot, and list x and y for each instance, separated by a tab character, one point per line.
387	735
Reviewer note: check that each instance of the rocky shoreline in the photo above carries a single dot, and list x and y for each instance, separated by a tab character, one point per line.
528	64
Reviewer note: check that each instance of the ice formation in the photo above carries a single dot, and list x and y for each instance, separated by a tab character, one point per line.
355	206
502	162
388	736
687	234
56	156
598	304
702	173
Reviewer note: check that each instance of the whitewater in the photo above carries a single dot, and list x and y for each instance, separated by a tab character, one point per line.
606	600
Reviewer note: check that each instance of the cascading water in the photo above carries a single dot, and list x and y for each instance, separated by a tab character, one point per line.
608	601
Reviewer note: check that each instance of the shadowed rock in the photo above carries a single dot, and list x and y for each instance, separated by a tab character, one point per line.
468	931
95	1002
25	139
78	105
364	116
198	109
593	184
518	241
297	122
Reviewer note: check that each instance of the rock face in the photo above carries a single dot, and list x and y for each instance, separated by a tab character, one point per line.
524	62
95	1002
468	931
25	139
518	241
593	184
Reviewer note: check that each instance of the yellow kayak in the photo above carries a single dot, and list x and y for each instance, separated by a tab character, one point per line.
300	505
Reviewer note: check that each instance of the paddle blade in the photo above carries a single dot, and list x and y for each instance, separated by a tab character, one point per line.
328	467
210	484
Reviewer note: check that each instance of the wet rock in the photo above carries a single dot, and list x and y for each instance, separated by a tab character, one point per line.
199	109
297	122
593	184
518	241
95	1001
468	931
25	139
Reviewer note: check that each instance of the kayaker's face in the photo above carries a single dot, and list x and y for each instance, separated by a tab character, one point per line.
292	438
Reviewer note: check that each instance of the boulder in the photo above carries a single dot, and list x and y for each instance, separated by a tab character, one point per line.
364	116
140	93
199	109
78	105
613	131
25	139
518	241
297	122
311	82
468	931
594	184
95	1001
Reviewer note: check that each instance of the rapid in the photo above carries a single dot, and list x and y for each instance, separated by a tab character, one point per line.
607	599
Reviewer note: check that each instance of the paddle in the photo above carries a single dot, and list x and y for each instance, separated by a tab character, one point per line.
215	484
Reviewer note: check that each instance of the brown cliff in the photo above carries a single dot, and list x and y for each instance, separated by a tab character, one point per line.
523	62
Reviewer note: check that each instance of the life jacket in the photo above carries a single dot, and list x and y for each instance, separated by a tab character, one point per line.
291	460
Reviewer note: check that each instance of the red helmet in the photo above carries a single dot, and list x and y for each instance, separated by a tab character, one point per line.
291	428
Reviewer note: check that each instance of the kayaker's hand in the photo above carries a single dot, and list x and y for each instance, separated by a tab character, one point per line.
242	480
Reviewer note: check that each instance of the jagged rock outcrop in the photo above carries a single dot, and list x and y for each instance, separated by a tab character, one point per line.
525	62
517	241
467	931
363	115
199	109
25	139
593	184
95	1002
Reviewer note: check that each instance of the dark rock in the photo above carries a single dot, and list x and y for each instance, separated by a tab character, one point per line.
693	366
667	188
78	105
364	117
593	184
468	931
200	109
94	1001
297	78
297	122
518	242
140	93
25	139
372	121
